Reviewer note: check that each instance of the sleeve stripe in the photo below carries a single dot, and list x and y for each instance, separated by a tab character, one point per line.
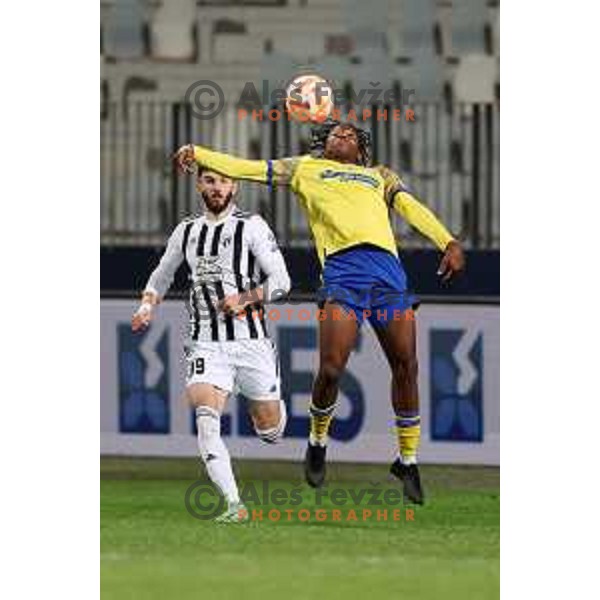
399	188
270	175
392	193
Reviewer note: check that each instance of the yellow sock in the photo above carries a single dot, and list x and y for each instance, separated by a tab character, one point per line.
408	428
320	420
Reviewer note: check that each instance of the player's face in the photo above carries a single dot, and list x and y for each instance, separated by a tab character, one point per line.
342	144
217	191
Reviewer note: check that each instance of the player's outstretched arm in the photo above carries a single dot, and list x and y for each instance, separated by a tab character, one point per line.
270	172
420	217
401	199
160	280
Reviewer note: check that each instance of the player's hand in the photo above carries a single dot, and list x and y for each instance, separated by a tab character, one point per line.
184	158
233	305
142	317
452	262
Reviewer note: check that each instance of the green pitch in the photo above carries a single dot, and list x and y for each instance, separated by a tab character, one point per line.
152	548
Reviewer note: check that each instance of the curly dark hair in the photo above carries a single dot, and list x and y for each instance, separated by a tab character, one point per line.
320	133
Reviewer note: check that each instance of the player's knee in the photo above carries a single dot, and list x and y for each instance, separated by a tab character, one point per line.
270	427
202	394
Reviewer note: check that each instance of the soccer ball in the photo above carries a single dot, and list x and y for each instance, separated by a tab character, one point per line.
309	99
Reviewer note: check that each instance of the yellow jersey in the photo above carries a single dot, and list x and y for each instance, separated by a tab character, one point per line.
346	204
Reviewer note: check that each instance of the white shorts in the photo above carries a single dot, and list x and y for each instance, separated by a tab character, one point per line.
247	366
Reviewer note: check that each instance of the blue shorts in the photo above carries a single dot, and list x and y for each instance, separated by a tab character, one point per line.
369	282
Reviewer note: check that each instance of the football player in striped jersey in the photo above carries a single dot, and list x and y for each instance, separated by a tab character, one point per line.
235	267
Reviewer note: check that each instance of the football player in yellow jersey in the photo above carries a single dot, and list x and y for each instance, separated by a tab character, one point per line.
347	203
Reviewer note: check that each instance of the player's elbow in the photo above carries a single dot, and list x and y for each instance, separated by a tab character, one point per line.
286	283
285	286
278	287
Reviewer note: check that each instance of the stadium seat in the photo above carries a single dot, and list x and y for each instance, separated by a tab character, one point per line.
425	75
339	44
136	88
496	33
363	16
123	30
469	21
475	78
374	68
336	67
276	68
229	26
304	47
172	30
417	25
236	48
366	22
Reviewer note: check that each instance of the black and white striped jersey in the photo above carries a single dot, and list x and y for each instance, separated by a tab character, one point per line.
234	253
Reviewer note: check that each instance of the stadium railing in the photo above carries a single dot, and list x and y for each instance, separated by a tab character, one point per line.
449	155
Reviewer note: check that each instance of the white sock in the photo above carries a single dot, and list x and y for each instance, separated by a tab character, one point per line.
408	460
313	441
214	453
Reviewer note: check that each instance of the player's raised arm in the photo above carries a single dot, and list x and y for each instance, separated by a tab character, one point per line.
402	200
270	172
160	280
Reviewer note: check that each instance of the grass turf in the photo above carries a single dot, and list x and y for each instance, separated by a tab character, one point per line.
152	548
